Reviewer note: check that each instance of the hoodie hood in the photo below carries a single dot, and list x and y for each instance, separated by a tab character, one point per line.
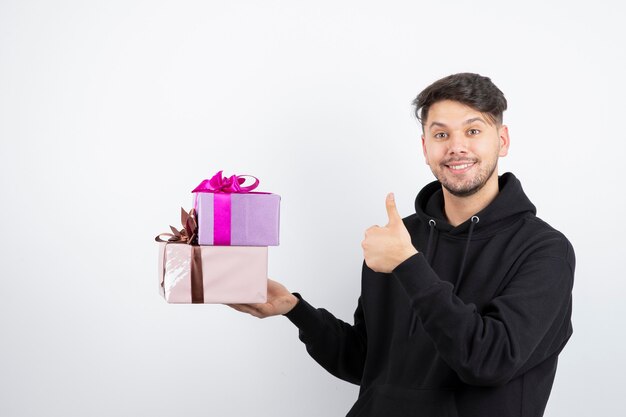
510	203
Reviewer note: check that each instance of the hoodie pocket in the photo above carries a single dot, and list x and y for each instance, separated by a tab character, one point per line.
392	401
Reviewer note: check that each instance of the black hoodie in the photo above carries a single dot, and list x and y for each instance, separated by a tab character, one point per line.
470	326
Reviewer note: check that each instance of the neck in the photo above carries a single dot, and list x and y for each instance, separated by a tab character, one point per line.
460	209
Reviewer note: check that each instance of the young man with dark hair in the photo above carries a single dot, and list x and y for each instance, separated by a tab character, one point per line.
465	305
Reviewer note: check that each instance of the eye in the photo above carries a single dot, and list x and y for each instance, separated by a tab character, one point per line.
473	132
440	135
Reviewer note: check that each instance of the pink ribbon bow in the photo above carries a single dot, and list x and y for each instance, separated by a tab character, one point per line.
232	184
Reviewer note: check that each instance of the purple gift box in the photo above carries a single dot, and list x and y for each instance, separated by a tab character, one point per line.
230	214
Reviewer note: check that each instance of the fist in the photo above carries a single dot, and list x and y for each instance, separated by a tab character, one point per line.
386	247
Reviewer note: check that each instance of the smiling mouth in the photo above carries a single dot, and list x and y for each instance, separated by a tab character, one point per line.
460	167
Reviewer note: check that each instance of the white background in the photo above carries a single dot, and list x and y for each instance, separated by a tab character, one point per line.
111	112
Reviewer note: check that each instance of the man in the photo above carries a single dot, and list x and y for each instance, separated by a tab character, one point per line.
466	304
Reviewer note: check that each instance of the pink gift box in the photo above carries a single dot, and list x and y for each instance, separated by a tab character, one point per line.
229	274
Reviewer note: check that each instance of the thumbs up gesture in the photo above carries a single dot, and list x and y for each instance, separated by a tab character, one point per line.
386	247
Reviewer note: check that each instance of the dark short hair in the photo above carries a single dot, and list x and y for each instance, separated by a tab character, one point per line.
473	90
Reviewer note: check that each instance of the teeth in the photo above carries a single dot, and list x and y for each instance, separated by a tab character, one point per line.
463	166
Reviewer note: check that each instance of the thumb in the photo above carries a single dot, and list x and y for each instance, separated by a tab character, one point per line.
392	211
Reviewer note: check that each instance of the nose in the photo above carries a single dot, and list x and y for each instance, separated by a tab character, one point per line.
457	143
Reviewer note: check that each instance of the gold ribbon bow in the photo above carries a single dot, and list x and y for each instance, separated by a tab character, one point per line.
189	232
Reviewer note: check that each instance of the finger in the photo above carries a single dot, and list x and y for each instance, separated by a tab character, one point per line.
238	307
371	228
244	308
392	211
260	310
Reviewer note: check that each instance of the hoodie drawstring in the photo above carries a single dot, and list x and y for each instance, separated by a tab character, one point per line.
474	220
429	249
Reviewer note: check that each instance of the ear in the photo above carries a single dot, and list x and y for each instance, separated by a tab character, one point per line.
424	149
505	141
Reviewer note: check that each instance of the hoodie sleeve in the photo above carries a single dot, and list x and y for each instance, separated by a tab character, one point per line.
527	322
337	346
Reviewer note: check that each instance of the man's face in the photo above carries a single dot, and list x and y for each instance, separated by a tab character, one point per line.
462	147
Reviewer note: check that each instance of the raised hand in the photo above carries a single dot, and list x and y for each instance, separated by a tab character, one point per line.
386	247
279	301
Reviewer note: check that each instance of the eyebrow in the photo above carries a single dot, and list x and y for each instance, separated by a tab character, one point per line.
467	122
